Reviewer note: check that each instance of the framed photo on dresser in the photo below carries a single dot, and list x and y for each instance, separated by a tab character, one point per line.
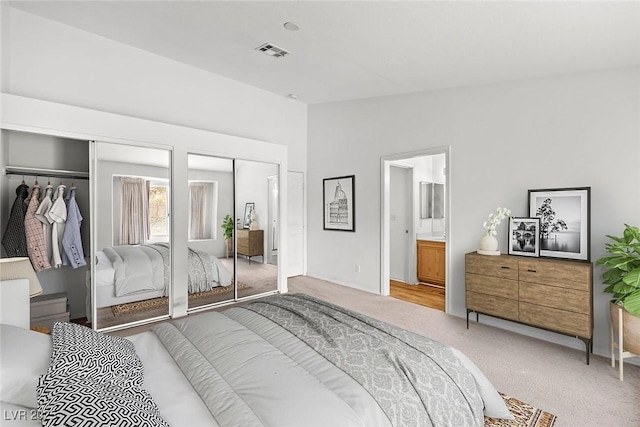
524	236
564	221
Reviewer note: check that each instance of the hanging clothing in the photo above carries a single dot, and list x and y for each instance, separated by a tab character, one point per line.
58	214
33	230
42	215
14	238
73	253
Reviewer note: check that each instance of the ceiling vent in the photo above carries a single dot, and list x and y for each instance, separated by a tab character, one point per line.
272	50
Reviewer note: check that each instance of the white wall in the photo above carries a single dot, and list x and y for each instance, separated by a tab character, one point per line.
50	61
566	131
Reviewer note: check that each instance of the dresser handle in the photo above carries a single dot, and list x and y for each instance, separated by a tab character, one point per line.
505	267
531	271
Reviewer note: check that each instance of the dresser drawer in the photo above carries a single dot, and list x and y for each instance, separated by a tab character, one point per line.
505	288
495	266
569	275
243	246
495	306
567	322
551	296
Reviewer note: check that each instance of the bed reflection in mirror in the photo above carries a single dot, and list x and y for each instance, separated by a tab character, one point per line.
131	274
210	264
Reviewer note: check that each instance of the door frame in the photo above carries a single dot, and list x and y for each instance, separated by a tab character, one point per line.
385	208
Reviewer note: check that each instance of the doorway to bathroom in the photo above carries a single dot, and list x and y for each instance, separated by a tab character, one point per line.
415	213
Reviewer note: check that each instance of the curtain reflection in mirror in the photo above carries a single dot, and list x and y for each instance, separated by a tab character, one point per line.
203	208
134	211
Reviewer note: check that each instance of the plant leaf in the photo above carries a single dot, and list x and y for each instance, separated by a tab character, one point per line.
632	303
632	278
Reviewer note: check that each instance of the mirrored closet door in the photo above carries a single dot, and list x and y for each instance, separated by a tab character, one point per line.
210	231
131	266
256	227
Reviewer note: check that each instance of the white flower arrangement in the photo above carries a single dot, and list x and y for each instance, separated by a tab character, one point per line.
495	219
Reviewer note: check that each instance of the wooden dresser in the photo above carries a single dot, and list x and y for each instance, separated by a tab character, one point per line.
431	262
250	242
551	294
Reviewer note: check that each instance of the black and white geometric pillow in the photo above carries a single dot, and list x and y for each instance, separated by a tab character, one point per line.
94	380
78	350
81	401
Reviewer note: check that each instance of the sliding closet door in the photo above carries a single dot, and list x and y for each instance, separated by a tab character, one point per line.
210	230
131	266
257	202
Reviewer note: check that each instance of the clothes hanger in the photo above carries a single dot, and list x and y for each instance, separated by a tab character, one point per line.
23	183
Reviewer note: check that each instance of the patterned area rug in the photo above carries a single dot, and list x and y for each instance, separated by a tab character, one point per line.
525	415
150	304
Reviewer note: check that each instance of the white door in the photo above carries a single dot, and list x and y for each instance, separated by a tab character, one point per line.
400	228
295	224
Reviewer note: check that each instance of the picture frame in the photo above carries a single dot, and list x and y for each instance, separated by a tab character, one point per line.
524	236
248	208
565	223
339	203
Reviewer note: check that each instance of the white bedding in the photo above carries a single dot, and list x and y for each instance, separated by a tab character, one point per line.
179	404
105	278
281	379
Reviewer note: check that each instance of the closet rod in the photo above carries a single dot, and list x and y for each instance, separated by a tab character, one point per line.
49	173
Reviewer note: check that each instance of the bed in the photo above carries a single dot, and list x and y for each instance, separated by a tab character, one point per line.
130	273
285	360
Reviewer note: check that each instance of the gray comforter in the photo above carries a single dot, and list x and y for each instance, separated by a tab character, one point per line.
292	360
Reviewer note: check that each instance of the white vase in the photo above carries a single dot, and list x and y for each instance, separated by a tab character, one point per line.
488	245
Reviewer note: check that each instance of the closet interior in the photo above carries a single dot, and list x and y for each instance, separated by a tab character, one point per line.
55	165
125	195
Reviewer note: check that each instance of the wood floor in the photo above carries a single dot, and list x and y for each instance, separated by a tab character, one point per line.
422	294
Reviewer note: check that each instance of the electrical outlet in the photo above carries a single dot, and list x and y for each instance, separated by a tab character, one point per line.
357	268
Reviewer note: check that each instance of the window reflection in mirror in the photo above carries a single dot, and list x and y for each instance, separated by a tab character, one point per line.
131	278
211	262
257	236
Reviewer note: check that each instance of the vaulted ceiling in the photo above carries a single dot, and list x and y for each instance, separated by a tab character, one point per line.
360	49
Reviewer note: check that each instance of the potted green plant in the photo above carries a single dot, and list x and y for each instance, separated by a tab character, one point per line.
623	279
227	232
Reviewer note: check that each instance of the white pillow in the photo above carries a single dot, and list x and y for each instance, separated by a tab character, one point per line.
24	356
494	405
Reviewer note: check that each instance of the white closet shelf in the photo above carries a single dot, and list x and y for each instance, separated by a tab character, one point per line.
49	173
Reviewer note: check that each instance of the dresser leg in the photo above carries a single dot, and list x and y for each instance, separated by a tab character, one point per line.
587	346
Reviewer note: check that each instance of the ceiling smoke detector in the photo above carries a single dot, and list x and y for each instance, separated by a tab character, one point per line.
274	51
